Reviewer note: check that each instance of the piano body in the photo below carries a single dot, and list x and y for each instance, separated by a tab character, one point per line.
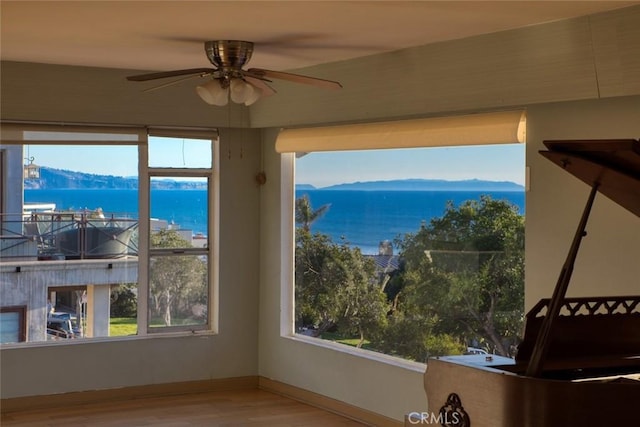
579	362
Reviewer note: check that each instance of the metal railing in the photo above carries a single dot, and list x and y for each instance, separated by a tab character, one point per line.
67	235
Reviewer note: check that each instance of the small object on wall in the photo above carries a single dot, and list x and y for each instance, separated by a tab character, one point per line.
261	178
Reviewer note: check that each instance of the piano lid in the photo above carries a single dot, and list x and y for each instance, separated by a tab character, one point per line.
612	164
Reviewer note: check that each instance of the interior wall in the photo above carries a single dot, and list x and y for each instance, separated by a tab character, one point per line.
562	73
607	263
582	58
61	93
32	369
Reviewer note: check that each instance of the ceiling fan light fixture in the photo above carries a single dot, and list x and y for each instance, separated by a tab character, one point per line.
213	93
243	92
256	94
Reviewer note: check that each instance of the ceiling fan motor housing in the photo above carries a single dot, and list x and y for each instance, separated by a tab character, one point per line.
229	55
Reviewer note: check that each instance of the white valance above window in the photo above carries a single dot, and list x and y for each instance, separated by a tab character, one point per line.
504	127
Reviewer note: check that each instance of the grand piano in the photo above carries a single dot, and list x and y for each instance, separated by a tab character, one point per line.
579	361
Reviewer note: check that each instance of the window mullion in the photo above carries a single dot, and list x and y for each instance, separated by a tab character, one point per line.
143	237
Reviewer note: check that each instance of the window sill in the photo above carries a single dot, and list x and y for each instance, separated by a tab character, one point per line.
80	341
359	352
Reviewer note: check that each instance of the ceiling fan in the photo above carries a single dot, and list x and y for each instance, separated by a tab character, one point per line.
229	79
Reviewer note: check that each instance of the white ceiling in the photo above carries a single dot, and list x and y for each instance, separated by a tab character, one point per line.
166	35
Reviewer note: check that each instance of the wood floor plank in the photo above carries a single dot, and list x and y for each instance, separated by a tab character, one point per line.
217	409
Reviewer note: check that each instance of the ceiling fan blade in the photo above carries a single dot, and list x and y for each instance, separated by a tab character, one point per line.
296	78
250	73
260	84
171	83
174	73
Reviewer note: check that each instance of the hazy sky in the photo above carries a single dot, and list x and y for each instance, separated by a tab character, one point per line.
97	159
493	162
122	160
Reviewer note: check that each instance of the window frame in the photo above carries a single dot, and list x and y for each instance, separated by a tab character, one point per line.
22	320
288	232
17	133
212	174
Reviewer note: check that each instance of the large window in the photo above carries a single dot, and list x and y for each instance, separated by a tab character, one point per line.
121	224
413	252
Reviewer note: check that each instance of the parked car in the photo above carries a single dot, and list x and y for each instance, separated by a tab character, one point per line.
475	350
61	325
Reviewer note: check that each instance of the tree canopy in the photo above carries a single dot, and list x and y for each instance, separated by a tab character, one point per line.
336	286
178	284
305	215
460	283
465	272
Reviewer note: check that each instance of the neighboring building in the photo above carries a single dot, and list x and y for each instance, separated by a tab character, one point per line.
40	268
386	262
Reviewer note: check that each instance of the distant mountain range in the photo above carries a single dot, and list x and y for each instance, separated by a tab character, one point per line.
51	178
421	185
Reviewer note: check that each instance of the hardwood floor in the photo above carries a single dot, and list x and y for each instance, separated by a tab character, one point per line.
218	408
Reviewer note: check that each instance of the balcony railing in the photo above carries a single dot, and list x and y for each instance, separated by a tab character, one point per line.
67	235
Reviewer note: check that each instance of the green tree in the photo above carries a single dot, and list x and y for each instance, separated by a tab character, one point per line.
124	301
178	283
364	304
336	286
305	215
463	275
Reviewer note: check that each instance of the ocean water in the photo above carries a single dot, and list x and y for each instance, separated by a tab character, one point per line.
366	218
361	218
186	208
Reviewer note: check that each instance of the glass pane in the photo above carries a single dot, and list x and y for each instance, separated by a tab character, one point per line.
81	311
82	209
9	327
123	310
85	203
414	253
179	291
97	166
166	152
179	212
